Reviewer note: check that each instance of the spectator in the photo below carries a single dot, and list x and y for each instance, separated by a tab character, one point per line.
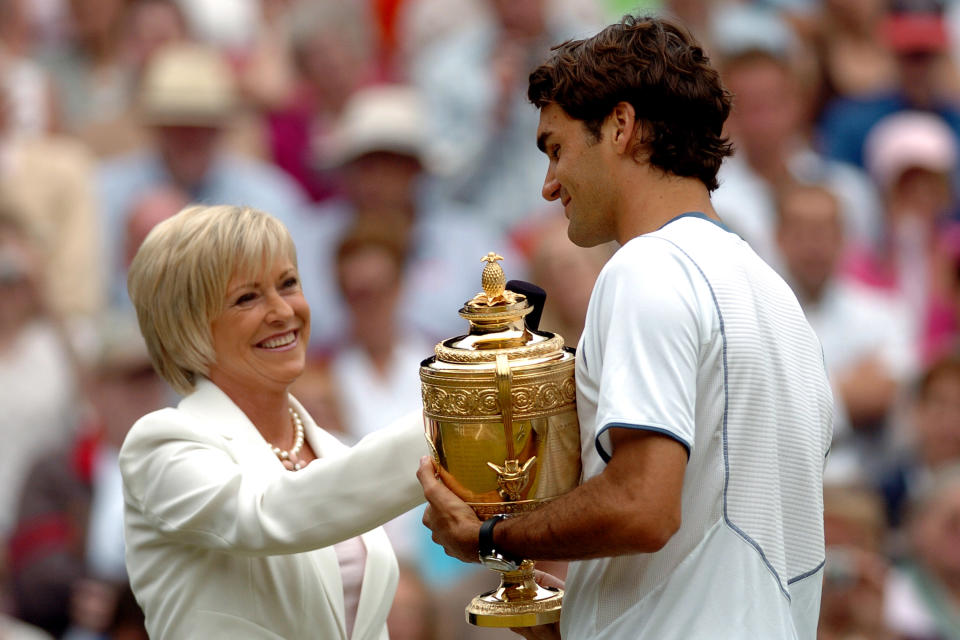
932	436
67	550
566	272
93	80
769	134
152	208
856	570
26	100
413	614
332	56
379	149
13	629
148	209
376	370
865	340
854	517
147	27
911	157
916	32
48	179
474	87
853	58
922	592
188	98
854	593
951	269
38	383
317	392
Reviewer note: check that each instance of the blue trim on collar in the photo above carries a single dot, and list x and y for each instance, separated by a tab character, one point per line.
702	216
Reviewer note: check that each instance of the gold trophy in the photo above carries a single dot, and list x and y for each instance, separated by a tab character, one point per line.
501	419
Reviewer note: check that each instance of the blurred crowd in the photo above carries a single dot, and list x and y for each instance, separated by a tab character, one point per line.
394	139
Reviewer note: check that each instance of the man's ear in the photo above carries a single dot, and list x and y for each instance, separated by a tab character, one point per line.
625	129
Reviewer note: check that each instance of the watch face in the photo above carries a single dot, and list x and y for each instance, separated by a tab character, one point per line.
498	563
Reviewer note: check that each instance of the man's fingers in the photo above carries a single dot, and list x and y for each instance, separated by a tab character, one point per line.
433	488
427	475
426	470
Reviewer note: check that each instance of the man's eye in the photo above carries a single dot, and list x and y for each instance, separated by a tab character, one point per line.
555	153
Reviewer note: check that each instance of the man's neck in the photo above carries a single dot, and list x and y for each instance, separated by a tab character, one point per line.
653	202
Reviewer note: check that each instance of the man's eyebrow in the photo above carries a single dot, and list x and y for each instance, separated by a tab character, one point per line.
542	141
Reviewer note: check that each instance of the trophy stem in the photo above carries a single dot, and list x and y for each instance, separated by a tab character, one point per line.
518	602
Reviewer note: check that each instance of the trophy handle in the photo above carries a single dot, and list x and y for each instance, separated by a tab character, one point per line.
512	479
505	400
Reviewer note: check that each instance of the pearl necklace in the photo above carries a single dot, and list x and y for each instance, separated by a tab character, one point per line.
289	457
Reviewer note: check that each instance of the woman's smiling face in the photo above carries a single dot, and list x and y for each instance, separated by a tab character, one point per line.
260	338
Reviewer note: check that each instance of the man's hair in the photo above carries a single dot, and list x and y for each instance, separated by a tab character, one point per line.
178	281
658	68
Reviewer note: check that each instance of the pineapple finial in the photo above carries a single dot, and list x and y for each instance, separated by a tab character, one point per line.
493	279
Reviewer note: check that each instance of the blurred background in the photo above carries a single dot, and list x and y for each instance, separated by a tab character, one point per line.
394	140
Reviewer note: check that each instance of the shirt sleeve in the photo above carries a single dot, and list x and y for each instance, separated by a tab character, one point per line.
188	487
649	326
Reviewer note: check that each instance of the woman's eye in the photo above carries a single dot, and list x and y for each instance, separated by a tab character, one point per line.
290	282
247	297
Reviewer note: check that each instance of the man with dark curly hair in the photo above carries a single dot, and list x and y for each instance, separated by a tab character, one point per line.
705	411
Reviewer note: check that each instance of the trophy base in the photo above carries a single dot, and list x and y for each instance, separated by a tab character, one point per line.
518	602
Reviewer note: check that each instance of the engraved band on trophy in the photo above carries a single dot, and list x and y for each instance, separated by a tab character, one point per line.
501	419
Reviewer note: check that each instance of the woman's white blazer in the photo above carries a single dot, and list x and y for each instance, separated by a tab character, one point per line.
223	542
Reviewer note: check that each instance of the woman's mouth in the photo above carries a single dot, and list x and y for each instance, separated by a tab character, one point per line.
279	341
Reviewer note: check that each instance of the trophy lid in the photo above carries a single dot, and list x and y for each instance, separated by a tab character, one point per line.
496	316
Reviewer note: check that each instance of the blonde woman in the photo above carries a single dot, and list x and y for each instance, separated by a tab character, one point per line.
243	517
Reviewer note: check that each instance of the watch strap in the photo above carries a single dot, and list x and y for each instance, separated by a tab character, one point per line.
485	537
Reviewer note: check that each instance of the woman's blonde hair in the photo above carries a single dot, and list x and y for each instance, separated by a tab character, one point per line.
179	276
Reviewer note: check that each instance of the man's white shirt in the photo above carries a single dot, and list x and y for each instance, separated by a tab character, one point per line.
690	334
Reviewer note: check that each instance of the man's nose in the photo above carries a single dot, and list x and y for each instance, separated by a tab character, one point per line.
551	188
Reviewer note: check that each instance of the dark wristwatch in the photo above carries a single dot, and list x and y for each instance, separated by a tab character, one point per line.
489	556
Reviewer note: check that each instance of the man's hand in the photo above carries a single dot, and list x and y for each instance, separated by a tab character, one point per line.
454	524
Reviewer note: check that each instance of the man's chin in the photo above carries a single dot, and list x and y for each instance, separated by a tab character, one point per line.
581	239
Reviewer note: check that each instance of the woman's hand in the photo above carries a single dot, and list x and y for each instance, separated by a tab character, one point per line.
544	631
541	632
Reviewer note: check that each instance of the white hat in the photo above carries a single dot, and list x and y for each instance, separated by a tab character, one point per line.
742	28
187	84
110	342
378	118
909	139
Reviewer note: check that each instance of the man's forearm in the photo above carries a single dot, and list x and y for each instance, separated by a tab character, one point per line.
617	512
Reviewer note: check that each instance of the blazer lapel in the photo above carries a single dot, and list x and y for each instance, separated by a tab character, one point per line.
379	585
217	412
325	445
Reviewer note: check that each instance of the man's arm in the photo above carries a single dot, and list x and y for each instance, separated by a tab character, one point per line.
633	506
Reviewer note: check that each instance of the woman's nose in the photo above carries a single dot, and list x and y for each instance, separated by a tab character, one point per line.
280	309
